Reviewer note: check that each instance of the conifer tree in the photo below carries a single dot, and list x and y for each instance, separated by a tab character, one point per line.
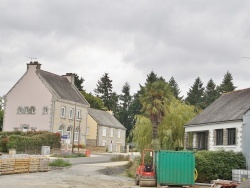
175	88
125	114
211	93
104	91
195	96
79	82
227	83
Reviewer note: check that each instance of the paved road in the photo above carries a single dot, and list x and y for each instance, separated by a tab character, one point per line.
94	158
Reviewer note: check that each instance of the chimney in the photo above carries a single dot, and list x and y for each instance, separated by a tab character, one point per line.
111	112
70	77
35	65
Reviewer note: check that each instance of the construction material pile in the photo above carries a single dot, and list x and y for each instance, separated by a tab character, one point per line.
13	164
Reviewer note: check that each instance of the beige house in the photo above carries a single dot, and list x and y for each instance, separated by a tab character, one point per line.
103	129
43	101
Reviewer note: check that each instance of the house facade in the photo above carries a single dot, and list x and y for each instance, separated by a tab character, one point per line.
105	130
43	101
225	124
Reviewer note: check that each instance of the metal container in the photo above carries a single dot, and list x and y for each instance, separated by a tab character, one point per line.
175	167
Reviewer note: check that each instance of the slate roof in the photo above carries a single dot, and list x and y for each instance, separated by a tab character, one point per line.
228	107
104	118
62	87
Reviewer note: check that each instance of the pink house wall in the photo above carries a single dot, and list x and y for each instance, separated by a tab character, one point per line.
28	91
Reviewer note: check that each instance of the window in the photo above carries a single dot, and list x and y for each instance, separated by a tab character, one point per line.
78	114
219	137
70	113
32	110
24	128
119	134
19	110
45	110
63	110
231	140
69	129
104	131
61	128
104	143
111	132
26	109
76	134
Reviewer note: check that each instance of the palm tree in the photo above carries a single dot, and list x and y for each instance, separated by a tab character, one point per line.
155	99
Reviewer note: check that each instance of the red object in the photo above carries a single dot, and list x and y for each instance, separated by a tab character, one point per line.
87	153
145	174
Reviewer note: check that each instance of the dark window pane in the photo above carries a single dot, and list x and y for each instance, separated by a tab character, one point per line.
231	136
219	137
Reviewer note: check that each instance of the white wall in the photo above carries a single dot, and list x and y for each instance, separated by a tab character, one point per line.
211	127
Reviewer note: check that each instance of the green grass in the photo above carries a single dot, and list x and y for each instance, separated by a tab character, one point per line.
69	155
60	163
120	158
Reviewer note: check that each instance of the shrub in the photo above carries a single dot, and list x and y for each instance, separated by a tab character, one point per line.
60	163
212	165
28	141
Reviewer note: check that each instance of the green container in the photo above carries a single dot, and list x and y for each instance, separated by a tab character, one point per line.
175	167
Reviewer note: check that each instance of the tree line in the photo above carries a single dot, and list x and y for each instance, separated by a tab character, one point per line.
156	113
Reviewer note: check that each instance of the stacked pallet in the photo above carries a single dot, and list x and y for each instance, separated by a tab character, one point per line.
23	164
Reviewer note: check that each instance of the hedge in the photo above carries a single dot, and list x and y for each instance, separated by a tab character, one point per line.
212	165
28	141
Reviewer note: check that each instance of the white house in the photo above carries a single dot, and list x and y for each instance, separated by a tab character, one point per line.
43	101
225	124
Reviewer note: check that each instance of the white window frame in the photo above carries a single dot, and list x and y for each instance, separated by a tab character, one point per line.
63	111
71	113
111	132
61	130
78	113
119	133
104	131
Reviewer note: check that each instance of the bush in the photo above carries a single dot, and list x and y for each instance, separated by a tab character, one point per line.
212	165
28	141
60	163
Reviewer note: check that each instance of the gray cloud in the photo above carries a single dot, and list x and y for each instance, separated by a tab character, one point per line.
127	39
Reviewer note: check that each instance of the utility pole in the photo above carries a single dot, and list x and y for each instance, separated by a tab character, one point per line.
73	141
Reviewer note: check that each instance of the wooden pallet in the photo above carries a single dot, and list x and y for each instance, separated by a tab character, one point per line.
7	166
34	164
22	165
43	164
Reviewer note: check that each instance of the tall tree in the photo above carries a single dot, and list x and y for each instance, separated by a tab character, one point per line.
79	82
154	102
195	96
151	77
227	83
94	101
104	91
125	114
175	88
211	93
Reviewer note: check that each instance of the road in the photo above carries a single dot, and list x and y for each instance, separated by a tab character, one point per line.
83	173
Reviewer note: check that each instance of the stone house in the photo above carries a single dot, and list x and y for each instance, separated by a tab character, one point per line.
43	101
103	129
225	124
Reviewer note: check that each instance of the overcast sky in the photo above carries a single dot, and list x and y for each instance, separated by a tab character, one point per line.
127	39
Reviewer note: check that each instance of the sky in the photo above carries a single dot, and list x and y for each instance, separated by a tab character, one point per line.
127	39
